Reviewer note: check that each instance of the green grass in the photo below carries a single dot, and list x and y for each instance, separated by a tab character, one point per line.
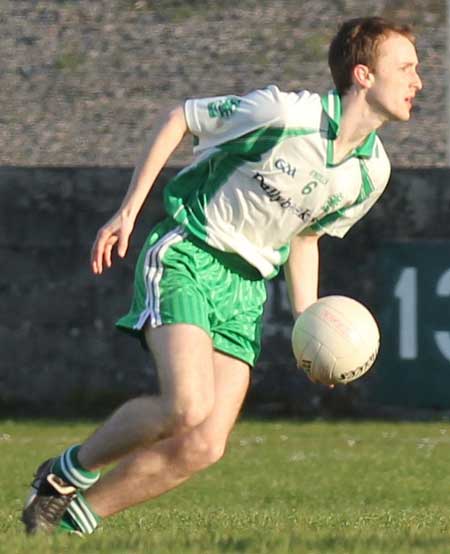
284	487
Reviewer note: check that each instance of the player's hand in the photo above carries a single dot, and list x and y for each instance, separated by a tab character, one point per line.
314	381
330	386
115	233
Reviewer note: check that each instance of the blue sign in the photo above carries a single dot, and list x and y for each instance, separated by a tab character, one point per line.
413	368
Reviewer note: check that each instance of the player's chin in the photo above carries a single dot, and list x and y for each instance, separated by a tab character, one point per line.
404	115
401	116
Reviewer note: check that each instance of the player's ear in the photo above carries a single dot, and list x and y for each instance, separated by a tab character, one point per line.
363	76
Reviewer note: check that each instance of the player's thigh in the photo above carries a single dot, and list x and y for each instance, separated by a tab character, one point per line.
231	384
205	444
183	354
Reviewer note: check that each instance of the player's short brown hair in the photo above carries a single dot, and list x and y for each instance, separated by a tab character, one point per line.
356	42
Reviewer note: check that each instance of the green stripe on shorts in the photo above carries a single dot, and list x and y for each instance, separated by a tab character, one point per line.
179	279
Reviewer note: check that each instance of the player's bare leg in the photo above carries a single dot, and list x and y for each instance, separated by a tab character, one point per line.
184	358
149	472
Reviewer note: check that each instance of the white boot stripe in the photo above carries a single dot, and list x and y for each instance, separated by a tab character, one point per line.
81	503
80	518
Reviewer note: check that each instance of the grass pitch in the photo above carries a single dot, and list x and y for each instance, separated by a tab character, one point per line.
284	487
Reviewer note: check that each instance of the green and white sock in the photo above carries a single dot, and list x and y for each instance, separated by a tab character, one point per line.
69	468
79	517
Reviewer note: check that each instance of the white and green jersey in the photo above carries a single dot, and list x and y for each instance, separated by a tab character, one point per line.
264	172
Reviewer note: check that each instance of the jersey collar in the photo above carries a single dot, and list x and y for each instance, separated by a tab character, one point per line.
332	106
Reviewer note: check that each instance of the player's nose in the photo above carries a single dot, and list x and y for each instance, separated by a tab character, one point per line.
417	82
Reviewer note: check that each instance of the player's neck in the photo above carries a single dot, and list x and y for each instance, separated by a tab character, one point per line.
357	122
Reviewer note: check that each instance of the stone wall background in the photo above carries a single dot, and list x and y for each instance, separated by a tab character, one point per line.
83	80
82	83
60	351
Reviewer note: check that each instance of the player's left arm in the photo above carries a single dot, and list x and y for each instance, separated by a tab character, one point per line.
302	272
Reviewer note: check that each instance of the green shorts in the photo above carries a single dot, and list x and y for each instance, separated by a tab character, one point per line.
180	279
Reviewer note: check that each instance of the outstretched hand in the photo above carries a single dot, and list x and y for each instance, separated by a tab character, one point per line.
314	381
115	233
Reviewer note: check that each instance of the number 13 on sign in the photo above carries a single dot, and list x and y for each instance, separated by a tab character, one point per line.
406	291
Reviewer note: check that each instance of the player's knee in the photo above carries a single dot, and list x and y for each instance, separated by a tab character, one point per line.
199	451
189	415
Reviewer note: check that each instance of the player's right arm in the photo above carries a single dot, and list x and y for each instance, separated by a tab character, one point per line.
166	136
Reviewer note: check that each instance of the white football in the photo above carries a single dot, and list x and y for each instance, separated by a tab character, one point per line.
335	340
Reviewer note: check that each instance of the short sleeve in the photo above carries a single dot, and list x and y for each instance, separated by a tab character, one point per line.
219	119
337	224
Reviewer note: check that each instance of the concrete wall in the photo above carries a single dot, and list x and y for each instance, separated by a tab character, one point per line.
60	353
